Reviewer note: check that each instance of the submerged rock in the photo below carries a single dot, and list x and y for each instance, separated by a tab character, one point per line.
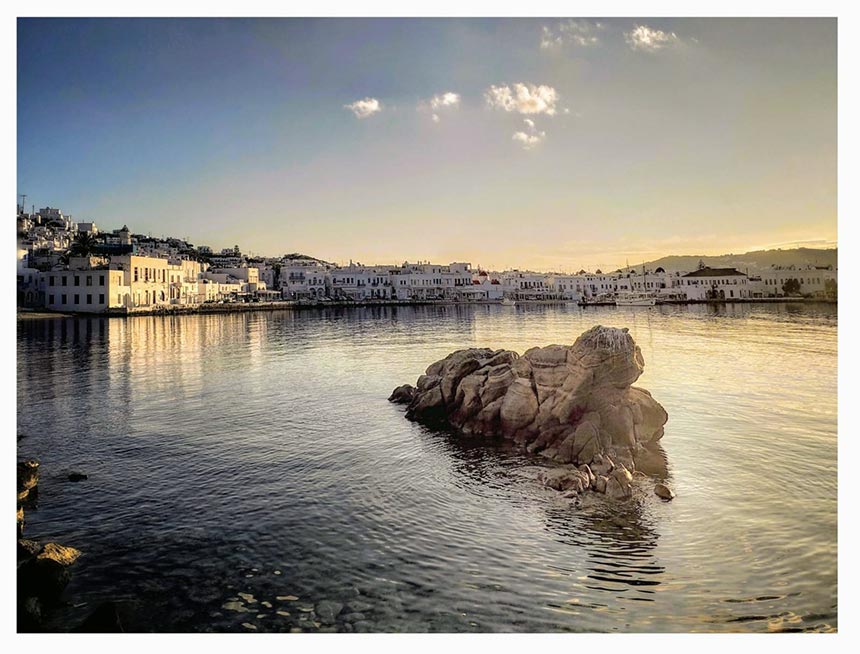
78	476
575	405
327	611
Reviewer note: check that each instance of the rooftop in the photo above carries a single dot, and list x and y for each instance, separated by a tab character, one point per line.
715	272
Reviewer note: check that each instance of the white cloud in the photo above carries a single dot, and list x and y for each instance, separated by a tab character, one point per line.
647	39
447	99
443	101
531	136
581	33
523	98
364	108
528	141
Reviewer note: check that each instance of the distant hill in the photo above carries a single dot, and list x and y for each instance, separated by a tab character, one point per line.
305	257
754	261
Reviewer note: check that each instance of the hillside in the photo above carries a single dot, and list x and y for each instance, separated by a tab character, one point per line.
757	260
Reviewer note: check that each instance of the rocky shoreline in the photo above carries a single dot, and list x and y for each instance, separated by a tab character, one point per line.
574	405
44	569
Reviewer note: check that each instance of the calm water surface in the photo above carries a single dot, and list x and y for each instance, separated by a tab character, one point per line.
257	454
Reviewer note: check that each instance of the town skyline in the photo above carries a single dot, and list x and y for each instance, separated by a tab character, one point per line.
566	268
526	143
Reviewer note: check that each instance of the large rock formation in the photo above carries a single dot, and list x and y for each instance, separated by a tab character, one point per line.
573	404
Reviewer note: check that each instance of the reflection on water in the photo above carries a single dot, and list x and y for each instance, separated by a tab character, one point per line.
257	454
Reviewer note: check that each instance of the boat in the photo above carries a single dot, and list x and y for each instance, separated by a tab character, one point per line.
636	300
508	302
600	300
642	299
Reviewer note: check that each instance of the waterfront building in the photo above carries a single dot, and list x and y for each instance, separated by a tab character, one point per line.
359	283
485	288
239	284
527	285
566	287
811	280
88	290
303	279
418	281
715	284
96	284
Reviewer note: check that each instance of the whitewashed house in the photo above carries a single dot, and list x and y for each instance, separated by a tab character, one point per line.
715	284
303	279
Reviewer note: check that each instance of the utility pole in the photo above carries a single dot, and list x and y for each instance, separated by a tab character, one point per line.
23	202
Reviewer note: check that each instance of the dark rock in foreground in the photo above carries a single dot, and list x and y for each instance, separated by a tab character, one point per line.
573	404
105	619
43	570
28	478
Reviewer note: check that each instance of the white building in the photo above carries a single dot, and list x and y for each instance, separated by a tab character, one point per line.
715	284
360	283
527	285
812	280
303	279
92	284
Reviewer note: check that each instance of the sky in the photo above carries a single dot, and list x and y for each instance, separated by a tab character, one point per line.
541	143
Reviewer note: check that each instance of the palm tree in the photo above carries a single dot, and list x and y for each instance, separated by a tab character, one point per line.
83	244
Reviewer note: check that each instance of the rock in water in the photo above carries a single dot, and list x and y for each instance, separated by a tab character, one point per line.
664	492
573	404
28	478
46	574
402	394
59	554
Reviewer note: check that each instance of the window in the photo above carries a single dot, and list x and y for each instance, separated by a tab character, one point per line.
77	299
63	299
50	299
101	298
51	283
77	281
65	279
101	280
135	273
89	299
89	280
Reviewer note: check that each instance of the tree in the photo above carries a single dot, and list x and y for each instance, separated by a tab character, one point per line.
791	287
83	244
